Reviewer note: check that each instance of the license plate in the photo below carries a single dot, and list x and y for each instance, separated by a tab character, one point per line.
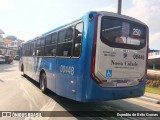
121	84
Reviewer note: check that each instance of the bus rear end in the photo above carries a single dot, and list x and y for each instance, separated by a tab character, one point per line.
119	58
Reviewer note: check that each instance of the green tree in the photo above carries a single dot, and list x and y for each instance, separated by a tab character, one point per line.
11	37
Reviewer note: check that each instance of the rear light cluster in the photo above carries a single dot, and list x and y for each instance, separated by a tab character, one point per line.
94	55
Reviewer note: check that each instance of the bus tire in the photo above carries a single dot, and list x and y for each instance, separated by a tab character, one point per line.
22	70
43	82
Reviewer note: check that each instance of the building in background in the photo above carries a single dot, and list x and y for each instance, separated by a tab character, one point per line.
2	47
12	47
2	44
1	32
154	59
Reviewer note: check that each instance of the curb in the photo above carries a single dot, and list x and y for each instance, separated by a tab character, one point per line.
149	99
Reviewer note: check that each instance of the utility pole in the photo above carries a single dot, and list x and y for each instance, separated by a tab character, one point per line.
119	6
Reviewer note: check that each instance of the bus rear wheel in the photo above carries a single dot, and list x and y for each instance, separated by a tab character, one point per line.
43	82
22	70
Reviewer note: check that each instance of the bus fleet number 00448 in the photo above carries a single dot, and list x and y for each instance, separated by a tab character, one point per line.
67	69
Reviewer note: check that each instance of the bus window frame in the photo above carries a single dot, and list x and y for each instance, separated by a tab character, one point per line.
81	39
50	44
71	41
42	39
43	51
39	39
34	47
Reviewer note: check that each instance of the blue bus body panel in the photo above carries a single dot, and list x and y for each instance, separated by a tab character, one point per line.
94	92
63	83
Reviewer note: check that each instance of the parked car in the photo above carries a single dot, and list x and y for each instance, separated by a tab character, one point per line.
2	59
8	59
17	57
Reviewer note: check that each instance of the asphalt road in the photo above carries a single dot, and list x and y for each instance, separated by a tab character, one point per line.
19	93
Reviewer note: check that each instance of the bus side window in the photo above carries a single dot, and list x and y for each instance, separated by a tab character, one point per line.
28	49
48	39
34	48
24	50
31	48
78	40
39	49
54	38
50	48
69	34
64	46
42	41
38	43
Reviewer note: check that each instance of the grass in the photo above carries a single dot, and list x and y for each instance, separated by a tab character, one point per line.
153	90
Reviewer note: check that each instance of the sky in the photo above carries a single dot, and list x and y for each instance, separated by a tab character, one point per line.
27	19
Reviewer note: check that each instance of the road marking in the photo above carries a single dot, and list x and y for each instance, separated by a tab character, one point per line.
150	99
28	97
49	106
1	81
141	101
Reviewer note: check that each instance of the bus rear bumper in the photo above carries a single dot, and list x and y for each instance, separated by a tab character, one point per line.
94	92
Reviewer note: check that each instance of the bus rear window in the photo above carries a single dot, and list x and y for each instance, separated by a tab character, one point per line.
120	33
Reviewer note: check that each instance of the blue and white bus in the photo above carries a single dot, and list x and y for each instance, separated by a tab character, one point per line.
101	56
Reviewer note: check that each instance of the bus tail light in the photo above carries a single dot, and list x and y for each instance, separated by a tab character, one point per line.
94	54
147	41
147	49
